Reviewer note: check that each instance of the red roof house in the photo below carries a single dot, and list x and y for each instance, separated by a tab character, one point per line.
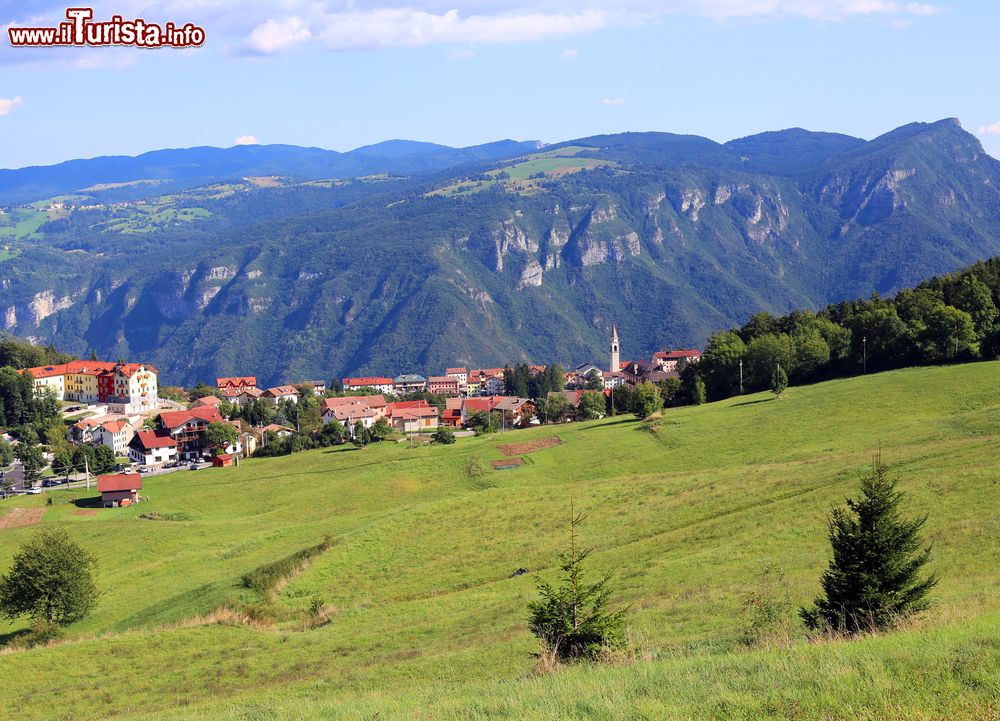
119	489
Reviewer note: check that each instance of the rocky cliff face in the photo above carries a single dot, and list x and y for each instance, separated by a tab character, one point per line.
670	250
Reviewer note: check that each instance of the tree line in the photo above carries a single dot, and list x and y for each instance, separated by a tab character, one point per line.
953	318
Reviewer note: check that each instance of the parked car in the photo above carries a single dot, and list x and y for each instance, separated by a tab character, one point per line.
33	491
144	469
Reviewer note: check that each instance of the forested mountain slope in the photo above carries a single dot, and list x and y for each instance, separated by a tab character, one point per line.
531	258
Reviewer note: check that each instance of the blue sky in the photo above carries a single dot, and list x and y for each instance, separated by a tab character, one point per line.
343	73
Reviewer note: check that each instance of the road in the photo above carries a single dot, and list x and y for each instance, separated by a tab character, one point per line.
77	481
14	477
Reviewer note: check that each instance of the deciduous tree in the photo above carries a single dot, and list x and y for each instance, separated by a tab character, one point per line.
51	580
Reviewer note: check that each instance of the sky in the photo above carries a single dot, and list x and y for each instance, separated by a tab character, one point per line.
339	74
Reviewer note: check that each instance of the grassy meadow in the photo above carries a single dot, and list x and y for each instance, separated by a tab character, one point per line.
412	613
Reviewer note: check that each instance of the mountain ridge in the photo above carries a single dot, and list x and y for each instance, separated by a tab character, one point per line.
180	168
525	258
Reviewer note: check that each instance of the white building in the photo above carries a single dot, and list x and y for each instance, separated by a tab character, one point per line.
115	435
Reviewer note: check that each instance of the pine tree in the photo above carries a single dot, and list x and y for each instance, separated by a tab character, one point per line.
571	619
873	580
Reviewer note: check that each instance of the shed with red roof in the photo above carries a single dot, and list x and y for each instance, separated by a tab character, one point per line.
119	489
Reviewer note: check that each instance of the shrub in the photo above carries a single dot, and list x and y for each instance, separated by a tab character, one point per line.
265	579
39	634
444	435
766	609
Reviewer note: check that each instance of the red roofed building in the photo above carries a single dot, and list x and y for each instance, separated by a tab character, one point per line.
119	489
486	380
237	383
150	448
351	409
279	393
461	373
444	385
223	460
116	435
125	387
517	411
412	416
670	360
376	383
206	401
188	429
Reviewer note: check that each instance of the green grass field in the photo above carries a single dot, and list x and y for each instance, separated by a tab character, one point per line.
22	223
551	163
421	619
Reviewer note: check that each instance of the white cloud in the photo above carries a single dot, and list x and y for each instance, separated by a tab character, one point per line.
7	105
274	36
991	129
807	9
406	27
253	27
613	101
246	140
569	54
461	54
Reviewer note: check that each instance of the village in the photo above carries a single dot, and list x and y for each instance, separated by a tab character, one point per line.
118	406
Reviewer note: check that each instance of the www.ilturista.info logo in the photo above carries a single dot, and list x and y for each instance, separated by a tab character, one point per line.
80	30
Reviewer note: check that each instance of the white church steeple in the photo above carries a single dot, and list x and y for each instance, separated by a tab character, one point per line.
615	358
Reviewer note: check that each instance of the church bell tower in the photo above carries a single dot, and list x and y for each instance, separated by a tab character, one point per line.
615	358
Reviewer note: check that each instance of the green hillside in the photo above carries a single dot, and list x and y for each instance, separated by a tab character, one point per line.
418	617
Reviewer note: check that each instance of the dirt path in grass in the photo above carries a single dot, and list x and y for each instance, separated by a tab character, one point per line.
519	449
20	517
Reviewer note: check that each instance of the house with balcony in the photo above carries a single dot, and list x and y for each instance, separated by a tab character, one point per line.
149	448
126	388
188	428
232	387
409	383
281	393
116	435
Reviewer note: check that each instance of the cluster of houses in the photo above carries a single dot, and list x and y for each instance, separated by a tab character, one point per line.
125	396
419	416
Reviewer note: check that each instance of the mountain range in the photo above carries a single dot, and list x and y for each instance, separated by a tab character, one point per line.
172	170
294	262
